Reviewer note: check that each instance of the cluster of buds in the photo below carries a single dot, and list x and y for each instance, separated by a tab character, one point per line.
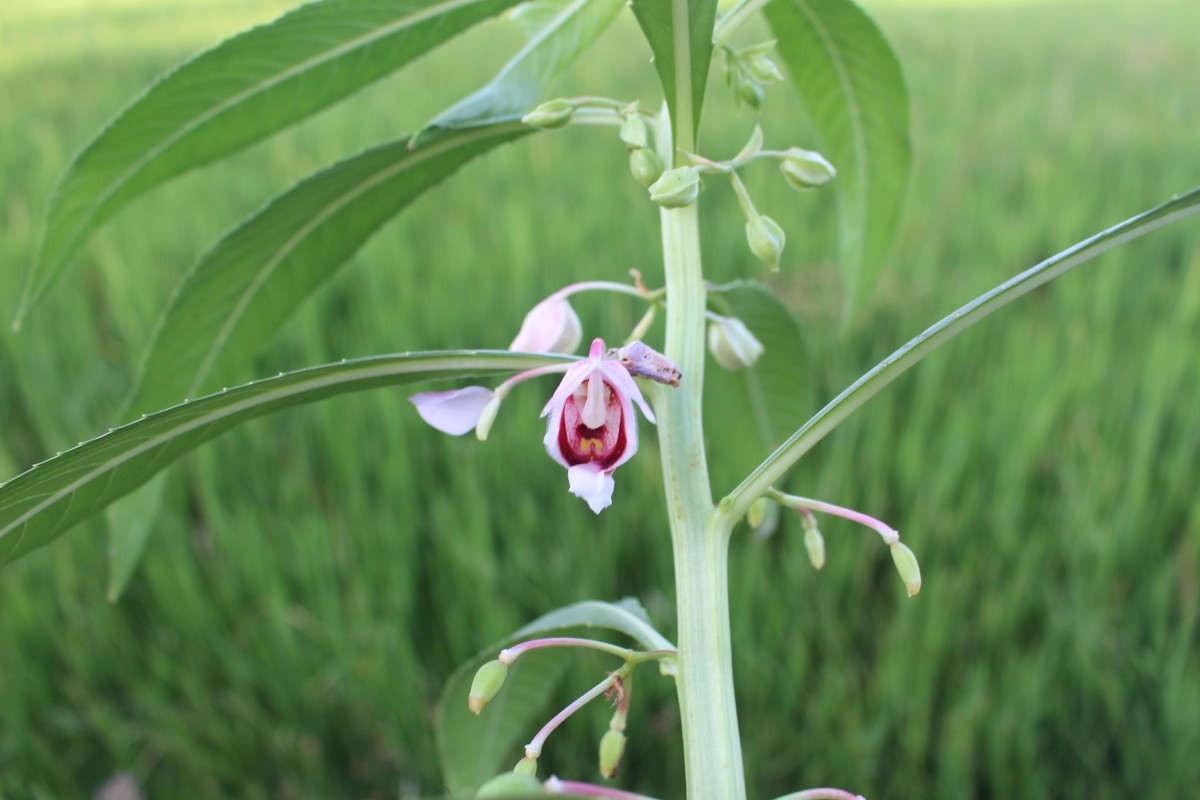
644	163
802	169
902	556
615	687
748	70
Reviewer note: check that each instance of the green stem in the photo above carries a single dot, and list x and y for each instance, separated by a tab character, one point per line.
712	745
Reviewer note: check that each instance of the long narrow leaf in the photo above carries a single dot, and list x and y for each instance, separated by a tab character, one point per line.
870	384
680	33
43	502
572	25
241	291
240	92
852	87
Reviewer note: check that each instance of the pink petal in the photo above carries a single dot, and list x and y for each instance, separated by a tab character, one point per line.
589	482
625	385
551	326
453	412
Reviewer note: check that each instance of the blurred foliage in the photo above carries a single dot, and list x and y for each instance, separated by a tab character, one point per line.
320	574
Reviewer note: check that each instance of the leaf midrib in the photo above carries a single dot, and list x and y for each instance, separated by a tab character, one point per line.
852	103
216	415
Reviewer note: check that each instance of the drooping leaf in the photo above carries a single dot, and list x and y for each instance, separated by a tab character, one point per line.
682	70
752	411
852	87
936	335
472	749
236	297
237	93
46	500
567	28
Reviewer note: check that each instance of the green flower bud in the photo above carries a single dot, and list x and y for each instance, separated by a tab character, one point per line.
488	681
646	166
733	346
612	748
510	784
551	115
750	94
763	69
526	766
906	565
814	543
676	188
634	133
806	169
766	240
757	513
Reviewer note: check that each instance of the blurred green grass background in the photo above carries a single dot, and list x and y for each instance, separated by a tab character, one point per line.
319	574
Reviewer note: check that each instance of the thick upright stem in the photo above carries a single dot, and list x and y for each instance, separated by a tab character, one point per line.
712	745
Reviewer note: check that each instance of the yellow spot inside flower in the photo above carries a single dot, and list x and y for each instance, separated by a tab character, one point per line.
588	444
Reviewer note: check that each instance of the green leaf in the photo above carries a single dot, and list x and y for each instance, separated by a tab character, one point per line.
683	71
568	28
236	297
240	92
886	371
473	749
43	502
752	411
852	88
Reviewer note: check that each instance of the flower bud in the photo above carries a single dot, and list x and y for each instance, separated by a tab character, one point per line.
757	513
676	188
646	166
612	748
526	766
551	115
766	239
906	565
763	517
510	784
733	346
488	681
806	169
551	326
814	543
634	133
763	69
750	93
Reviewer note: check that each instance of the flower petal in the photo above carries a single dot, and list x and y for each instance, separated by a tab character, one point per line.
591	483
625	385
453	412
551	326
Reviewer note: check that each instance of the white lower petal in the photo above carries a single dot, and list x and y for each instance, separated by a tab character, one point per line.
453	412
589	482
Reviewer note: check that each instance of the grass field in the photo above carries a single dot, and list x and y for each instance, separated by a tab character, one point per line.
319	574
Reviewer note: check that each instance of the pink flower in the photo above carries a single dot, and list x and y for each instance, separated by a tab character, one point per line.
550	327
454	412
592	428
